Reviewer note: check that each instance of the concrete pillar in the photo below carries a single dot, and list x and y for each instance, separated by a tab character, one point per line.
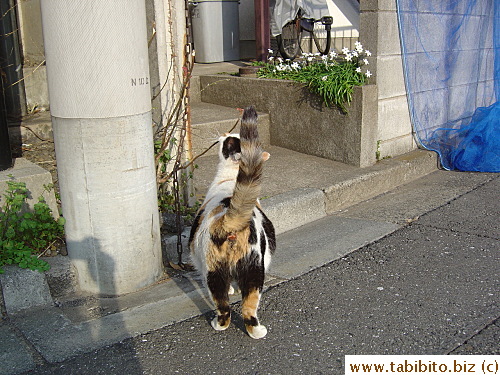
380	34
98	80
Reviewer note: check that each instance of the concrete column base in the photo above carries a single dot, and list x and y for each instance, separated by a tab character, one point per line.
108	189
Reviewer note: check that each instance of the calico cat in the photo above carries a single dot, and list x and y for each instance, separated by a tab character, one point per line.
231	238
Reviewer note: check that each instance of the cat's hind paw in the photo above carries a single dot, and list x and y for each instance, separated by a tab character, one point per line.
257	332
216	325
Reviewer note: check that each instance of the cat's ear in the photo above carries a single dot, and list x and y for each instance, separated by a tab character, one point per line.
266	156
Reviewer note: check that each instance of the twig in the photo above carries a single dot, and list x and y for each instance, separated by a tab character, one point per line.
48	247
22	79
36	135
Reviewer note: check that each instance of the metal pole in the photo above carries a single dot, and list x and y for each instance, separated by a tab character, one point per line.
5	154
262	31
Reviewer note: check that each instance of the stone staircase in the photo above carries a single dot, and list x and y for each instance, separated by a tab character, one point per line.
209	121
298	188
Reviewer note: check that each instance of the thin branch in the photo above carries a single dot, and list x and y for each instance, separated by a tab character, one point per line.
36	135
22	79
48	248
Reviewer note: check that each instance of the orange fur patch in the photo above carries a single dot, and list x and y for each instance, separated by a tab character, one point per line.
229	251
251	304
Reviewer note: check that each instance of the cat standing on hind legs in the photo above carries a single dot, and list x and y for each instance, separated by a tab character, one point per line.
231	238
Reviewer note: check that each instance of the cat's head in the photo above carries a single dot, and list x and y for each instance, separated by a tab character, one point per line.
229	147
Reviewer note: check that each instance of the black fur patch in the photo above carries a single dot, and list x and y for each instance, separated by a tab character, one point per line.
253	321
230	147
218	282
252	238
263	244
196	224
250	274
218	240
269	229
226	202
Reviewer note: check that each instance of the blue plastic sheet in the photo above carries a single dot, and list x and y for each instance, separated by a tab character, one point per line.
451	57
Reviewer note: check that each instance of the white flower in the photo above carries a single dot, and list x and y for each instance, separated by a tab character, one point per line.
368	74
310	58
271	58
317	54
324	57
324	78
365	61
333	54
348	57
270	51
358	70
345	50
355	53
359	47
295	65
368	53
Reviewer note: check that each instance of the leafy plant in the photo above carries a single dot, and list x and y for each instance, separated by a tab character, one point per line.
333	77
24	237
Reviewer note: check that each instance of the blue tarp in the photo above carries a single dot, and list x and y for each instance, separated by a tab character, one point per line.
451	57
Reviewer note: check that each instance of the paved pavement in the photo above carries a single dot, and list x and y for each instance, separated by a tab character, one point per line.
413	271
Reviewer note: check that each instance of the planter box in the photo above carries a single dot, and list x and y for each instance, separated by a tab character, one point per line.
299	120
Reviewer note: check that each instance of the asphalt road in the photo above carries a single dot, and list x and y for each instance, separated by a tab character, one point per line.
431	287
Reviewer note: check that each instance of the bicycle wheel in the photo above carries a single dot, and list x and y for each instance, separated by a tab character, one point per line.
289	40
322	34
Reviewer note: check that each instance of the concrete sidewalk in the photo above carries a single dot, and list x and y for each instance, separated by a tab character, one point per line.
67	328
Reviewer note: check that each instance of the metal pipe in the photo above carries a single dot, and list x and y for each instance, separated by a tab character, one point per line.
5	154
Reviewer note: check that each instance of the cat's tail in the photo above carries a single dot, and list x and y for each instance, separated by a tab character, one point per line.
248	182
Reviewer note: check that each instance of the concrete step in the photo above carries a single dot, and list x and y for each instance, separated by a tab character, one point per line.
210	121
299	188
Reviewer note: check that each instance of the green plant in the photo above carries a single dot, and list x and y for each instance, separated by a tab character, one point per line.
333	77
24	237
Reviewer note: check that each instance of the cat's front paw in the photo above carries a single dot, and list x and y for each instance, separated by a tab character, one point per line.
257	332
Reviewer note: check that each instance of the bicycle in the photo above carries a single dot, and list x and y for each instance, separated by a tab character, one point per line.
290	39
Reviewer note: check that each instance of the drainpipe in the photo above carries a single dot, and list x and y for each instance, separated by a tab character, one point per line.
5	154
262	29
99	91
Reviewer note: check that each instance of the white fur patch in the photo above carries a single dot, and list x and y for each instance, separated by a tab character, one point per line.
258	332
217	326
